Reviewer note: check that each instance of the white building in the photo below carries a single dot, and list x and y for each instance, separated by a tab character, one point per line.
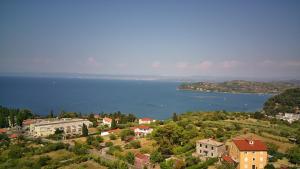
141	131
146	121
290	117
69	126
107	121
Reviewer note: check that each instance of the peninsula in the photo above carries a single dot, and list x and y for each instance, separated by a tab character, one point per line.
241	86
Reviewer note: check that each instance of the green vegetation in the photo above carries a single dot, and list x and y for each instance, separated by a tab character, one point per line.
85	131
13	116
286	102
240	86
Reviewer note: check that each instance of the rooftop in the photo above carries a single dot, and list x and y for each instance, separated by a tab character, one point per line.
250	145
60	121
210	141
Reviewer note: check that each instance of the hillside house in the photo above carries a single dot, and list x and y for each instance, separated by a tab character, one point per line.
209	148
249	153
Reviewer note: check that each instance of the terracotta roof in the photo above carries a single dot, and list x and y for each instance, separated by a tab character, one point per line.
228	159
142	156
3	130
13	136
28	122
146	119
244	145
114	130
210	141
107	119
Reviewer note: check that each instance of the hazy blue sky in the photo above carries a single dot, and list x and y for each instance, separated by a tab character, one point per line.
148	37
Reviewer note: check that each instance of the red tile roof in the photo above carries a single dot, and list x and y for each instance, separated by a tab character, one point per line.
142	156
13	136
144	127
3	130
107	119
228	159
146	119
28	122
244	145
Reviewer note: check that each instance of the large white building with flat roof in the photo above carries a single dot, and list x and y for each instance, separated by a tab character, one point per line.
68	126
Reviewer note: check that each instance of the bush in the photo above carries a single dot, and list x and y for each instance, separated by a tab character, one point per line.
112	137
108	144
134	144
126	134
156	157
43	160
130	158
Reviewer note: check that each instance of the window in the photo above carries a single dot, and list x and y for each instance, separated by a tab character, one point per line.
200	151
253	167
205	146
253	159
212	148
212	154
200	145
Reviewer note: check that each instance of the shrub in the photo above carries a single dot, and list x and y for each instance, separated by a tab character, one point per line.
112	137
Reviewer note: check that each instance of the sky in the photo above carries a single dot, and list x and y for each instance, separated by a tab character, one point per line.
151	37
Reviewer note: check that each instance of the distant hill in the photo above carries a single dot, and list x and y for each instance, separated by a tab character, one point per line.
286	102
241	86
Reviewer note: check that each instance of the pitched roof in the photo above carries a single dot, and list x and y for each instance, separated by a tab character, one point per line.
244	145
3	130
142	156
228	159
13	136
107	119
210	141
146	119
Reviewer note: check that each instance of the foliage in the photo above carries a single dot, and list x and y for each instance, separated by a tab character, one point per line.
4	140
113	123
126	134
269	166
112	137
43	160
156	157
130	158
133	144
85	131
7	114
226	165
108	144
80	149
294	155
285	102
175	117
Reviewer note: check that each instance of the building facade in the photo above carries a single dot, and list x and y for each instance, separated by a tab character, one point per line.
209	148
249	153
68	126
146	121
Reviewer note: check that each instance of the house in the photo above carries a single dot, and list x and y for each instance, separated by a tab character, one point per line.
146	121
209	148
67	125
249	153
289	117
2	130
106	133
141	160
107	121
142	131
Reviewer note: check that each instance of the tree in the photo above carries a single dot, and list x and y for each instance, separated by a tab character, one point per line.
269	166
19	119
85	131
12	118
126	134
175	118
156	157
130	158
294	155
51	115
113	123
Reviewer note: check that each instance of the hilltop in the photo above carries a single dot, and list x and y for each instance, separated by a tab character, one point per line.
241	86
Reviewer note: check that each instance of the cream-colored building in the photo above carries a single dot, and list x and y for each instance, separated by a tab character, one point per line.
249	153
69	126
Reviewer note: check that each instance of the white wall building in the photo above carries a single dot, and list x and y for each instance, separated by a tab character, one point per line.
141	131
146	121
69	126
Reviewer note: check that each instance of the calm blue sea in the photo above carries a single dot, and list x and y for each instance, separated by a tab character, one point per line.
154	99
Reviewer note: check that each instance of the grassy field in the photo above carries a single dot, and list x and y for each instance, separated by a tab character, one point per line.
87	164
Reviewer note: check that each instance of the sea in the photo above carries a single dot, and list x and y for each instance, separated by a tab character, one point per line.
144	98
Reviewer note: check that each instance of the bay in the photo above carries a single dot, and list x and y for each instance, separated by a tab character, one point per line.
156	99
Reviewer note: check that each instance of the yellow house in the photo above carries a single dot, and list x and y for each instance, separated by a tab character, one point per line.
249	153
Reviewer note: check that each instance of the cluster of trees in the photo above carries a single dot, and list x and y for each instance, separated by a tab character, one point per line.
13	117
123	118
286	102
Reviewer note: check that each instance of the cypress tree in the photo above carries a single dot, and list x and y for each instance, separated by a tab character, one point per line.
85	131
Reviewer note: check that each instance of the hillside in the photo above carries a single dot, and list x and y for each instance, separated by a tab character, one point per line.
287	102
240	86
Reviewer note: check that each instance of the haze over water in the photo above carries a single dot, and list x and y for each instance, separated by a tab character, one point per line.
156	99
